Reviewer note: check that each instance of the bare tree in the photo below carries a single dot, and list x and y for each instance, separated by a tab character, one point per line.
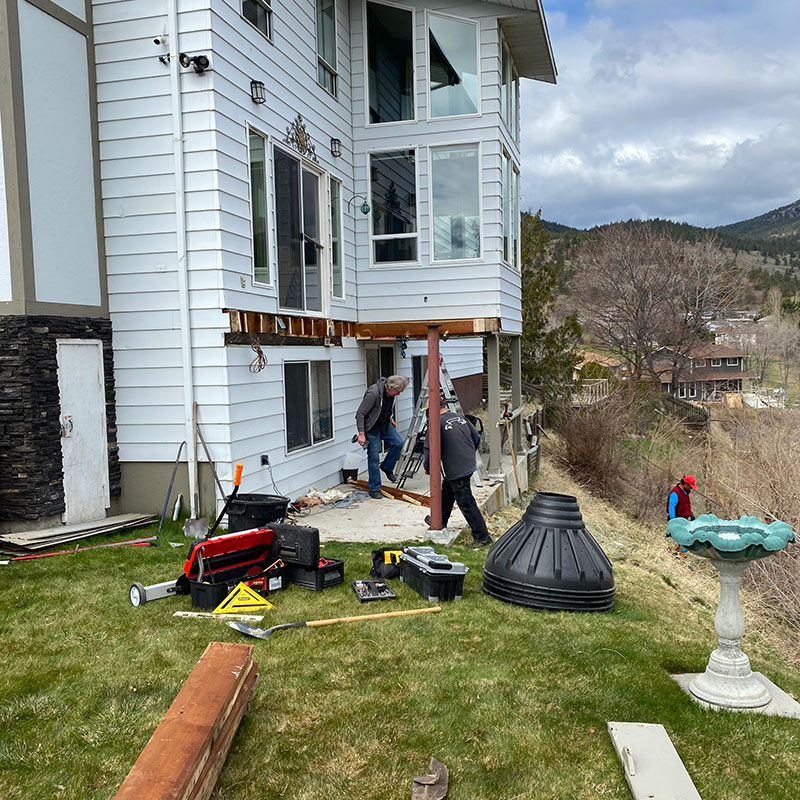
646	296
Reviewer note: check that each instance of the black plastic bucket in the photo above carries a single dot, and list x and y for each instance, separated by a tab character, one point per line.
248	511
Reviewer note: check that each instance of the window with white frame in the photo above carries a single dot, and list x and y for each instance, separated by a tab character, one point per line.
682	390
732	362
692	390
453	80
326	45
337	269
514	104
390	63
699	362
509	90
716	362
517	256
258	207
308	403
393	192
259	14
456	201
506	206
298	233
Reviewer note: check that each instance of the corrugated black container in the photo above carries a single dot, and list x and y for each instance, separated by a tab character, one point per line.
316	578
432	576
295	544
248	511
548	560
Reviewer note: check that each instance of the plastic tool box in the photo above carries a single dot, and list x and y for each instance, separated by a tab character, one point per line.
367	591
296	544
433	576
327	572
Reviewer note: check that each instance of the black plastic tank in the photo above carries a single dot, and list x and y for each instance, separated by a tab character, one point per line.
548	560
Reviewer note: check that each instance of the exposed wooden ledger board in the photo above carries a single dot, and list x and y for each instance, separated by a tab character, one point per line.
185	754
652	766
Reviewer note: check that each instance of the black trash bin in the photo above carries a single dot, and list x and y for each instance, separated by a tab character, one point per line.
248	511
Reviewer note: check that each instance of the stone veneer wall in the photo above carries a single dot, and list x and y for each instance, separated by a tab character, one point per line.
31	479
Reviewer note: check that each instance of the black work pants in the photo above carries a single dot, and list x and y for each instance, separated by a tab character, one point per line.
460	491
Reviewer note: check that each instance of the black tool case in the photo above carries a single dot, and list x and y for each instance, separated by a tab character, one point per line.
210	595
319	577
367	591
431	575
295	544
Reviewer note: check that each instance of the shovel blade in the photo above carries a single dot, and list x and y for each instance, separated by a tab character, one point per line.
249	630
196	528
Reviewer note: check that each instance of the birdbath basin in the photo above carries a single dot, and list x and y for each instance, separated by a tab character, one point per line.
730	545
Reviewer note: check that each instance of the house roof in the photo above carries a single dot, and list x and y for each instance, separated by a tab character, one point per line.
716	351
595	358
525	28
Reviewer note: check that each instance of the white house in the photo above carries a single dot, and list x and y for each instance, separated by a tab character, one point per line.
257	206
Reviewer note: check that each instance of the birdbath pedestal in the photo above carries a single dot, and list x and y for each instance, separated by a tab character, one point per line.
730	545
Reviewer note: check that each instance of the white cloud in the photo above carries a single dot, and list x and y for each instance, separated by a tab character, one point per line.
688	110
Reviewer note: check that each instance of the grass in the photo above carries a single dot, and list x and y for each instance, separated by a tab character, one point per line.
514	702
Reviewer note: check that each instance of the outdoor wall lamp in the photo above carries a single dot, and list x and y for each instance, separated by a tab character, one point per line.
364	204
200	63
403	345
336	148
258	92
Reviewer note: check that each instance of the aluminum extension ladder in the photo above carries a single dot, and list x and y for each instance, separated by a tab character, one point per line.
413	453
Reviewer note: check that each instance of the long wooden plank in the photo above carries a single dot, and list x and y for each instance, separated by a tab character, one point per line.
397	494
172	762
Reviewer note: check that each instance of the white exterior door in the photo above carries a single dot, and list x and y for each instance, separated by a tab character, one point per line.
84	448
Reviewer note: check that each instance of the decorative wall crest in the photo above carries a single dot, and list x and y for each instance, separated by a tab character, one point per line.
298	137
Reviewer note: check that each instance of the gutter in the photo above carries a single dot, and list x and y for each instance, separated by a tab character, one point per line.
180	235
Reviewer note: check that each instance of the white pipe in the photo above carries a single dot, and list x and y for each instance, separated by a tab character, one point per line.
180	231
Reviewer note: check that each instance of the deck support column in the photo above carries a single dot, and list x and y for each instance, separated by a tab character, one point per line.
516	392
434	429
493	401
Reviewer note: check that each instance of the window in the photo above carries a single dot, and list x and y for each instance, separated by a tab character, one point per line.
393	186
453	67
517	256
337	273
699	362
692	390
258	208
509	90
732	362
298	232
514	100
682	390
390	56
716	362
506	206
307	398
259	14
456	202
326	45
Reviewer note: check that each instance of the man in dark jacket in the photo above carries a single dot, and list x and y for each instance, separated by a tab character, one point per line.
375	422
460	441
678	502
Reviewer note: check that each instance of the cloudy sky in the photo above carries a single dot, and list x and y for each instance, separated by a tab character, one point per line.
683	109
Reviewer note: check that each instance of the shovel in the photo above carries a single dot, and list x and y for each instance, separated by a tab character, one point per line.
264	633
195	527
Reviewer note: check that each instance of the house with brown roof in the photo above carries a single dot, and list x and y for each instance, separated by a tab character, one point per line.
709	372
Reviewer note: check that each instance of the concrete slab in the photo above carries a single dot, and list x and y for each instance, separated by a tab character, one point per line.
653	768
781	705
389	521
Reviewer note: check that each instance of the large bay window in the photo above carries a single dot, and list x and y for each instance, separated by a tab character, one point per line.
258	208
390	58
452	66
326	45
337	270
393	189
456	202
309	408
298	233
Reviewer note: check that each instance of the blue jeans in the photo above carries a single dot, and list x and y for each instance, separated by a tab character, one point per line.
392	438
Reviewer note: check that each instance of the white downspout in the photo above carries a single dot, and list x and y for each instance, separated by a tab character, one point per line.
180	235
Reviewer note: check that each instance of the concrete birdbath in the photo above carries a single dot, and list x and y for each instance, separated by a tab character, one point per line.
731	545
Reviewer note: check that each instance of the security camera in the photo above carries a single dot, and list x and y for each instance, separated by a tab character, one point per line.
158	40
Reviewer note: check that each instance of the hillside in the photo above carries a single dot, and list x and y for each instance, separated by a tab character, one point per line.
781	222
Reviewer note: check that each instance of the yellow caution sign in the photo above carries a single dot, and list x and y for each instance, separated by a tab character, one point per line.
242	598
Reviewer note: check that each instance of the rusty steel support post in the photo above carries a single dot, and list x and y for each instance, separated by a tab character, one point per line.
434	429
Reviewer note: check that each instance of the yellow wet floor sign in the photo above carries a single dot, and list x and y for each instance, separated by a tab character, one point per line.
241	598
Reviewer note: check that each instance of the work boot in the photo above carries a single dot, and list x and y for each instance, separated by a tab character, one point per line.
389	474
376	495
476	544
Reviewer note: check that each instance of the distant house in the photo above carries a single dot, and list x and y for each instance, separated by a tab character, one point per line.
709	372
737	333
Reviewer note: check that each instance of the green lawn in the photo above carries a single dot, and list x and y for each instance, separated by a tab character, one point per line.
514	702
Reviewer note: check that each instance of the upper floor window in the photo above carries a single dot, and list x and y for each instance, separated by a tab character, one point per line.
455	181
259	14
716	362
699	362
298	233
453	67
516	258
390	57
258	208
732	362
509	90
308	405
393	188
326	45
337	271
507	206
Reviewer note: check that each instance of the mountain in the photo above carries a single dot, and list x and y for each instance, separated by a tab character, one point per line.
781	222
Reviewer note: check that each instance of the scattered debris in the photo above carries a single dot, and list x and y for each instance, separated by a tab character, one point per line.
432	786
150	541
187	751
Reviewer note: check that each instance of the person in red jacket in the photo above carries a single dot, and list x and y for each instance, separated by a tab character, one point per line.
678	502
